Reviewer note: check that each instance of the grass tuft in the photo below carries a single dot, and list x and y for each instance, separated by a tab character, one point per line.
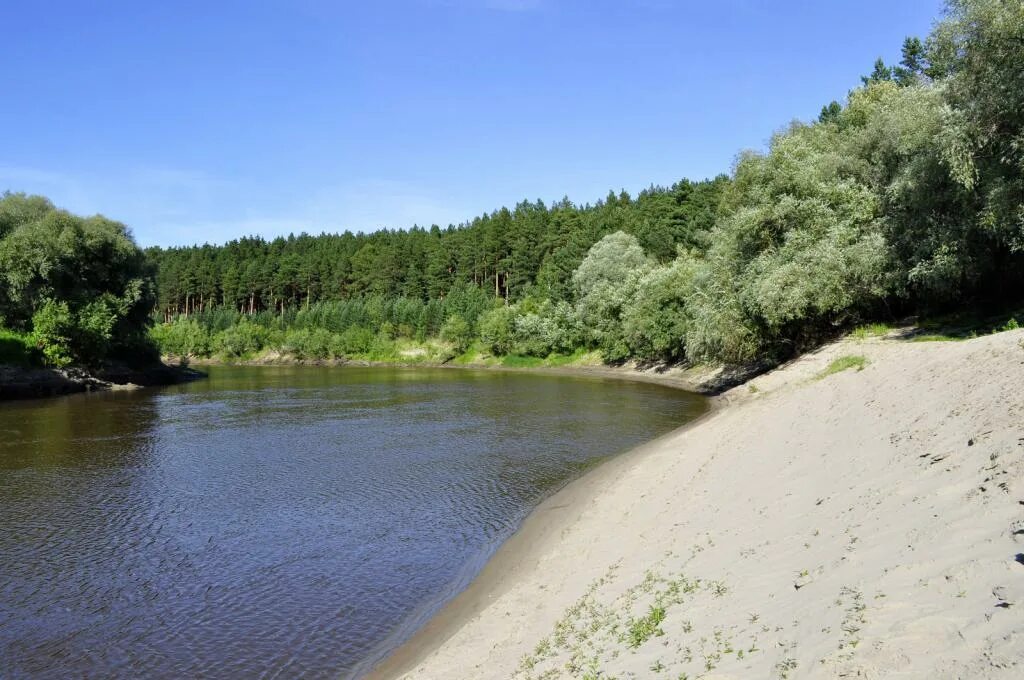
843	363
644	628
873	330
517	361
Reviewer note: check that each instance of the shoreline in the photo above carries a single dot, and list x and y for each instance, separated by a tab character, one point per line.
539	530
20	383
708	381
798	516
451	610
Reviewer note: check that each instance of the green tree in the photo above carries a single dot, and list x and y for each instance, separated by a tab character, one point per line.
497	329
879	74
52	331
914	64
54	262
605	283
656	324
458	332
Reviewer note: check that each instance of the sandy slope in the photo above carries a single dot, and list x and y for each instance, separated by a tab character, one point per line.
862	525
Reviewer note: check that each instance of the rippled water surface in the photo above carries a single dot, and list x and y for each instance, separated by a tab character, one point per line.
278	522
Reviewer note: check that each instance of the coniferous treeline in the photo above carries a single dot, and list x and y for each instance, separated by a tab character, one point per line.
529	250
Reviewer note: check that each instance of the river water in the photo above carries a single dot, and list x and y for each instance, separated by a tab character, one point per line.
278	522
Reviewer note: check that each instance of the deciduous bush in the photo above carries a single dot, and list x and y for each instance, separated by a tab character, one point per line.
536	335
16	348
605	284
306	343
53	328
497	329
242	339
353	340
458	332
182	338
656	323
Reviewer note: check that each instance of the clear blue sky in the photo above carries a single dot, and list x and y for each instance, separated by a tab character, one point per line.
204	121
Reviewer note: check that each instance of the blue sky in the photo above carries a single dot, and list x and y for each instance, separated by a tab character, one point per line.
205	121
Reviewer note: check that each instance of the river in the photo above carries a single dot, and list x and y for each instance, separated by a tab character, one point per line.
279	521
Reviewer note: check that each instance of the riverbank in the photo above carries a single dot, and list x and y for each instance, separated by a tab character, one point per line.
705	380
21	382
864	522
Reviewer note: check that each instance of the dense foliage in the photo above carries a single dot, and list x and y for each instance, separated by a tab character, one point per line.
530	250
72	289
907	197
448	283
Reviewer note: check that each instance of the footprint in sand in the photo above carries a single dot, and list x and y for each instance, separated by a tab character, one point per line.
1008	596
1017	531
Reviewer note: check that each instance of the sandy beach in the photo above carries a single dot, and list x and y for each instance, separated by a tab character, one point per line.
863	524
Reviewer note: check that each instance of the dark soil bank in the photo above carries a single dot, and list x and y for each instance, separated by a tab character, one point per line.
18	382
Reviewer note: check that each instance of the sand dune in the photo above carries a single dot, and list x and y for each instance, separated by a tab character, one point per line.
867	524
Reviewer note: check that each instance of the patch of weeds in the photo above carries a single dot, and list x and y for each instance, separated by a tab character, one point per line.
785	667
516	361
593	669
592	632
644	628
967	325
472	355
843	363
647	585
17	349
941	337
718	588
853	620
873	330
580	356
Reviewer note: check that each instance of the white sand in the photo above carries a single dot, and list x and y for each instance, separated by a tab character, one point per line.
857	526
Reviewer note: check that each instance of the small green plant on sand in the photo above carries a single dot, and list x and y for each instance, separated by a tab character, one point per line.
644	628
843	363
785	667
